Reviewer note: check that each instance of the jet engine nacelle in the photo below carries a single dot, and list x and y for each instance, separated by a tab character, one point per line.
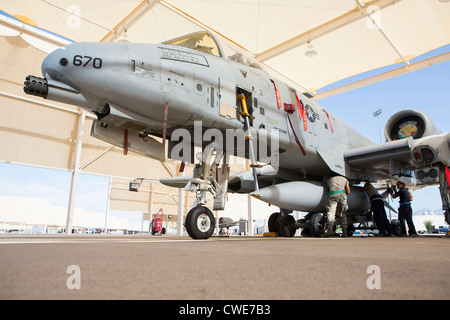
409	123
309	196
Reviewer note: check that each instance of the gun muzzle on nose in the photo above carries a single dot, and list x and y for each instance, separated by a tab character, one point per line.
55	90
36	86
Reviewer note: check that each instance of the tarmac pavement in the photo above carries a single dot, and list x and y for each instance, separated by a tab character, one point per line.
231	268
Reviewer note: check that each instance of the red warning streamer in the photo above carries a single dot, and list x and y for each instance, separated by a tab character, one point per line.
277	93
296	138
125	142
329	121
447	173
302	112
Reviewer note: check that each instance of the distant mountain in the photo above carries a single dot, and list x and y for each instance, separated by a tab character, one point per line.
427	212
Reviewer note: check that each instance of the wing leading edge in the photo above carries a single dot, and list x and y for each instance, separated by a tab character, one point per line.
401	157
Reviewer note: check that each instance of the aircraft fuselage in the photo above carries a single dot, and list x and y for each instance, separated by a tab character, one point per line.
139	91
135	81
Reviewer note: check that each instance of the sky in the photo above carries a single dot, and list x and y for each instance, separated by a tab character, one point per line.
427	90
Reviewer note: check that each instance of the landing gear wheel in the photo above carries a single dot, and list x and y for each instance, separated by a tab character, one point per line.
306	232
318	224
350	230
200	223
396	227
273	222
286	226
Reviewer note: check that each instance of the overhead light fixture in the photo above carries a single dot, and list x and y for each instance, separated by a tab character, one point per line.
310	52
135	185
444	1
124	37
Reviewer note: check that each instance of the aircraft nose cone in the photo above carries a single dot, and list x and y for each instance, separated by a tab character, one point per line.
53	63
58	62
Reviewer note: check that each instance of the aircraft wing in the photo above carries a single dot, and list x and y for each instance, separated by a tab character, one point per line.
176	182
401	157
379	157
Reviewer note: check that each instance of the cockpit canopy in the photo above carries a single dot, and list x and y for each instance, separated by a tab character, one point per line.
201	41
205	42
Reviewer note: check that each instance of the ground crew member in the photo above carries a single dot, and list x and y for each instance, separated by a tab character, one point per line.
377	207
405	210
339	188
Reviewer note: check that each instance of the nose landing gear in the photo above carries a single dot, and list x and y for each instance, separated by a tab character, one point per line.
200	223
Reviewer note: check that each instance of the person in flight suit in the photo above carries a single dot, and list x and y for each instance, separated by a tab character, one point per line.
405	210
377	207
339	188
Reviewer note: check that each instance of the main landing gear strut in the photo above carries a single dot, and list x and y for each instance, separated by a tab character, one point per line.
208	179
444	188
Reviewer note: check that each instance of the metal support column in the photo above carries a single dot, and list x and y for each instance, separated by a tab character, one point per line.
180	211
250	215
108	201
76	169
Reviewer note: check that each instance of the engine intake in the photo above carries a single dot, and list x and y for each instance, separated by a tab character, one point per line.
409	123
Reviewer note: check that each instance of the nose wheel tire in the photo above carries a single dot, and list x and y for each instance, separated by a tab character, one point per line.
200	223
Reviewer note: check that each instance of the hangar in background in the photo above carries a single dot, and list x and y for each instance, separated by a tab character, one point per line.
344	37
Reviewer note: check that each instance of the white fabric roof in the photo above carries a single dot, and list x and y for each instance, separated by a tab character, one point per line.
276	32
349	36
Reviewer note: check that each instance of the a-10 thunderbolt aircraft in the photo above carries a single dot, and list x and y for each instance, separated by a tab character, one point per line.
189	93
